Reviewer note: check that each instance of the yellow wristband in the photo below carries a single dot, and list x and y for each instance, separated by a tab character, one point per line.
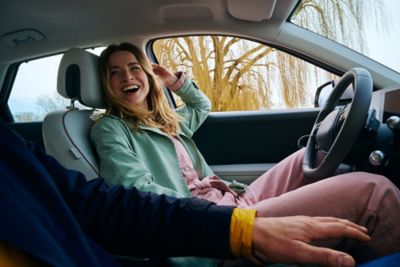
241	232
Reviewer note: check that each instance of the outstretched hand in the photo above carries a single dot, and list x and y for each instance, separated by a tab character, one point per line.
287	240
167	77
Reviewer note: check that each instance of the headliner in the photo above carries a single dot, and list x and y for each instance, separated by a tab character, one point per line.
68	23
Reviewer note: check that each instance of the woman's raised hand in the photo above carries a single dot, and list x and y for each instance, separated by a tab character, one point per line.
167	77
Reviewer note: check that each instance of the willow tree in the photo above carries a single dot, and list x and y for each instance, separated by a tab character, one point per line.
244	75
343	21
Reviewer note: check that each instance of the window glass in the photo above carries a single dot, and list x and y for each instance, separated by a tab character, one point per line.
370	27
34	91
238	74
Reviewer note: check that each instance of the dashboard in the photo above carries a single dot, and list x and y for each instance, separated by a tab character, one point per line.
386	102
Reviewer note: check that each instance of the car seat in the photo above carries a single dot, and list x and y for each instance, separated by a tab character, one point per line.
66	132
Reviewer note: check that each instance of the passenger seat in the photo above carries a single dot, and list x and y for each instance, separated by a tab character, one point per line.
66	132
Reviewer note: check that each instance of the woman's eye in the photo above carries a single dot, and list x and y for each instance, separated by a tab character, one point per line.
135	68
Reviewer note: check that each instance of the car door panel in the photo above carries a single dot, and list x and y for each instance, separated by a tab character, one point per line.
243	145
243	173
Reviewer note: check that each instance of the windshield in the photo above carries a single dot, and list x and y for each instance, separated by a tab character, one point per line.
370	27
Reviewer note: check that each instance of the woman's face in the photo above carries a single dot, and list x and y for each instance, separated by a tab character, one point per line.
128	79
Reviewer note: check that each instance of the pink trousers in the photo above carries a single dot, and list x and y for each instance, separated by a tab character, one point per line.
366	199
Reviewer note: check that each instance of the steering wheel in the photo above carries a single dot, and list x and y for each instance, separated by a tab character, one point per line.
336	129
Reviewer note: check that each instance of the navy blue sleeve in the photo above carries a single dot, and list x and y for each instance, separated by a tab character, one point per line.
123	221
127	221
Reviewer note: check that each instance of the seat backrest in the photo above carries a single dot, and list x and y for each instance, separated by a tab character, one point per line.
66	132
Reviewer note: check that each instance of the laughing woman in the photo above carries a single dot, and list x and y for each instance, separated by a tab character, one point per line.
142	142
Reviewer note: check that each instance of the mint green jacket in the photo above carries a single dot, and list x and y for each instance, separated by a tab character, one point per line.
146	158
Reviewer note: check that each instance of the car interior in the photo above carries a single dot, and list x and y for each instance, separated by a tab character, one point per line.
354	117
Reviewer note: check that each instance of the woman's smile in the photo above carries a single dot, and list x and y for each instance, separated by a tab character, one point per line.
128	79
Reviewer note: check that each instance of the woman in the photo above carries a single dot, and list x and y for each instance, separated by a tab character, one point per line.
142	142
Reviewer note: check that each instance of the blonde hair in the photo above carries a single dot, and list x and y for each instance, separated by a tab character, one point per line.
160	114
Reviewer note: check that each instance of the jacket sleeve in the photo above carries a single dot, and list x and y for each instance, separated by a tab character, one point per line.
52	207
197	107
118	161
129	222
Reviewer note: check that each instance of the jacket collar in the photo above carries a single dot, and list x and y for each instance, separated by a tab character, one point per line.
147	128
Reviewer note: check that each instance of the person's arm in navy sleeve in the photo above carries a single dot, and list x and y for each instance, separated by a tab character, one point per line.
145	224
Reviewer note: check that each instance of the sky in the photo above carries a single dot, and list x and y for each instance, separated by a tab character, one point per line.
385	47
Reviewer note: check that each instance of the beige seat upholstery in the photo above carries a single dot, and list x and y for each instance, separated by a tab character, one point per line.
66	132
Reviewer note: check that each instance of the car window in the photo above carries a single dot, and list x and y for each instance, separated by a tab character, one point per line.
34	92
239	74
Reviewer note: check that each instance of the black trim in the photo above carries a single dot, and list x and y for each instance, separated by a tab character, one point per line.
73	81
5	92
153	58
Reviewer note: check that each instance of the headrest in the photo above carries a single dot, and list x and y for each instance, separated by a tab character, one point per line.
79	77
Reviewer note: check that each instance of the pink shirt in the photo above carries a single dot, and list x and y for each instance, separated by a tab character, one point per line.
211	188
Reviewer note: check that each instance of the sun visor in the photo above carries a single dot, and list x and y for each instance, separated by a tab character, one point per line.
251	10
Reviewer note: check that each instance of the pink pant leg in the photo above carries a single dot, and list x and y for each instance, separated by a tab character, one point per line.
367	199
285	176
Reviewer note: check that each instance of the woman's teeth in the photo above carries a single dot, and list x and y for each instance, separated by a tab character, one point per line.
131	89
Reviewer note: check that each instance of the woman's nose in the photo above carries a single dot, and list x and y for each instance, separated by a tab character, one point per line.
126	75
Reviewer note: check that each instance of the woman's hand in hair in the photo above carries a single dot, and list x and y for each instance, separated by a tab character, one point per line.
167	77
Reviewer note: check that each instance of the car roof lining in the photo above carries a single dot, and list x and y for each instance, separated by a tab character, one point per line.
95	27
